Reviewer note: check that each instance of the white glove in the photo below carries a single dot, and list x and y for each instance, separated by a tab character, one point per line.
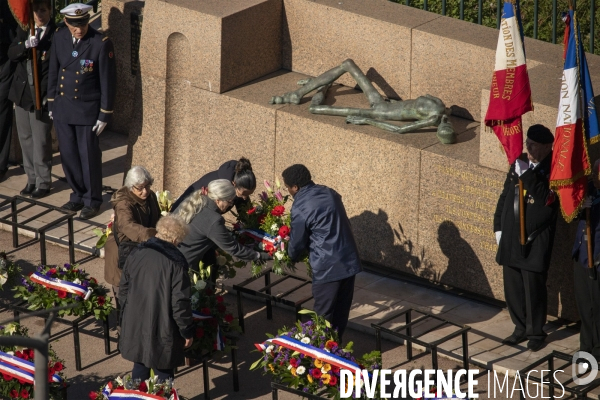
498	236
587	203
99	127
521	166
31	42
50	114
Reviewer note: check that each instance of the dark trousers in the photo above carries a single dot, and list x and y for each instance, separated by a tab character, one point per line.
140	371
587	296
527	301
82	162
333	301
6	113
36	144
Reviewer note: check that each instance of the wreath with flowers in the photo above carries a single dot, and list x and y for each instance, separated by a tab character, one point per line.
56	286
18	370
213	321
9	271
127	387
266	225
308	357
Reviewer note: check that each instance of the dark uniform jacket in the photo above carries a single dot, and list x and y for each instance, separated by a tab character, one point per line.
580	251
541	210
155	292
21	93
321	227
208	232
225	171
81	78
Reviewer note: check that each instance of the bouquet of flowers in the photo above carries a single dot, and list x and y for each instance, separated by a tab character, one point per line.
18	370
267	225
308	357
165	201
54	286
103	233
8	270
212	318
128	388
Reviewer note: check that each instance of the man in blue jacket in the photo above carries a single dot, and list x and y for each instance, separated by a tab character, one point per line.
321	227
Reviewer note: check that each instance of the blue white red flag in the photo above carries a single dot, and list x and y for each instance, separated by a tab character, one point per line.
510	93
577	123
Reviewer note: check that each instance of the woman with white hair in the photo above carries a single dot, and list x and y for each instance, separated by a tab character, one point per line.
136	214
203	213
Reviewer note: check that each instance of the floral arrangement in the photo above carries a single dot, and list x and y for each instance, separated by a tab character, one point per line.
267	225
54	286
16	366
308	356
165	201
129	387
212	318
8	271
103	233
226	265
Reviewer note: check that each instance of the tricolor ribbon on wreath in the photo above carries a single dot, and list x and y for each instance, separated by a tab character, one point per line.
260	236
20	369
310	351
122	394
203	317
58	284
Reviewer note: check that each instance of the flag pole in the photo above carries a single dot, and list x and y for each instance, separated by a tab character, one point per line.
34	63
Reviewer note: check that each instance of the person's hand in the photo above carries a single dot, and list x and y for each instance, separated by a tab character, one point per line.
521	166
498	236
50	114
188	343
587	203
99	127
31	42
262	258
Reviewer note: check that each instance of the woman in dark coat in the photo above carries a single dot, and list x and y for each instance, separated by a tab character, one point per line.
34	134
157	322
203	213
237	172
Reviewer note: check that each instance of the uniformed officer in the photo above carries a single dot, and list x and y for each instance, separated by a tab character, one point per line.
81	91
8	28
34	134
587	284
525	269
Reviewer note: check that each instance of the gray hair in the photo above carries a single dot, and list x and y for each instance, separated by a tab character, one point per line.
138	175
219	189
171	228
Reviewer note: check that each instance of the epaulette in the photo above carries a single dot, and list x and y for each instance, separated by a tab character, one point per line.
104	38
57	29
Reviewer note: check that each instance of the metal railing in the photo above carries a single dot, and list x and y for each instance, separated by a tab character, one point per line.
541	19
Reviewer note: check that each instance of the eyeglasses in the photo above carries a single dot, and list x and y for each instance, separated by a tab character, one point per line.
140	189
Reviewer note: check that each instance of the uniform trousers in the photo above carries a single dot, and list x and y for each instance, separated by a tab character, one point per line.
82	162
587	296
6	113
527	301
36	144
333	301
140	371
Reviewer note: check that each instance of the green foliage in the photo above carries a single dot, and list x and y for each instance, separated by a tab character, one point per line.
489	12
9	271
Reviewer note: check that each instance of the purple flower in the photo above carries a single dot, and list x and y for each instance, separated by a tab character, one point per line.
263	196
23	281
67	266
85	283
305	390
49	274
29	288
40	268
78	298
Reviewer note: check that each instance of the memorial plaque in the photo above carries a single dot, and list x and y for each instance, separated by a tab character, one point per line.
136	35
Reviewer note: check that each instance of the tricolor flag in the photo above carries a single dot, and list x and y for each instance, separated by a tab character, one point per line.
510	94
577	123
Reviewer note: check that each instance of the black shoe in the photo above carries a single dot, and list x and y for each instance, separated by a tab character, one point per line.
535	344
513	340
29	188
70	206
89	212
39	193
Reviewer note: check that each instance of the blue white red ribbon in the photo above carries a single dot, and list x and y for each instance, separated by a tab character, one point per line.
20	369
260	236
119	394
199	316
311	351
58	284
202	317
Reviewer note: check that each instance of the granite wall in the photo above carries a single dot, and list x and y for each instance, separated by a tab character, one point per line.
416	206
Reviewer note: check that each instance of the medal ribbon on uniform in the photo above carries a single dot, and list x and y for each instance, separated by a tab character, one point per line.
58	284
20	369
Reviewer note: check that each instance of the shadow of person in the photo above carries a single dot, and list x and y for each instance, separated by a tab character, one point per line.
464	268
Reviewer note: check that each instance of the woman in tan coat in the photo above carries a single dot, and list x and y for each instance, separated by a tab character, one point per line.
136	214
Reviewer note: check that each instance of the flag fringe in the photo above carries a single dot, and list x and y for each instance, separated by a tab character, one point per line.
569	218
562	183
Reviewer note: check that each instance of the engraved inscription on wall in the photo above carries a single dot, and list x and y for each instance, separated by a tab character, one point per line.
469	204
